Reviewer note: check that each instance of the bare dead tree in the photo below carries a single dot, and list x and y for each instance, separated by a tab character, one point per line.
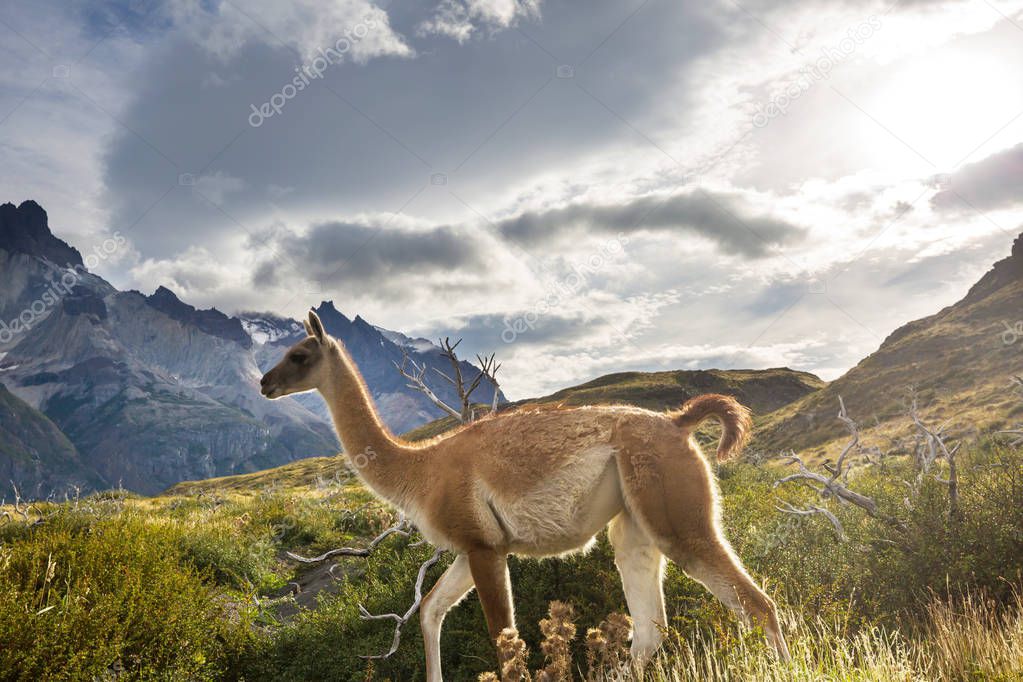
488	370
415	374
931	447
1016	383
834	485
21	509
401	527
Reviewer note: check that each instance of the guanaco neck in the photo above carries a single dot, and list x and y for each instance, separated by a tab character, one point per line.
384	463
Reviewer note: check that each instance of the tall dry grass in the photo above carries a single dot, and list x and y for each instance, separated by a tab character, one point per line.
971	639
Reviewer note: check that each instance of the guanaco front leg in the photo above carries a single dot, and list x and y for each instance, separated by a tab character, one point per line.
448	591
493	585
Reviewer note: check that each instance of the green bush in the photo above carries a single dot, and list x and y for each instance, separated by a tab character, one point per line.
83	600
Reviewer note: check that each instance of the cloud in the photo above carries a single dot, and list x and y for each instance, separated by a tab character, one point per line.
461	19
991	183
216	185
657	92
721	218
304	26
349	253
365	137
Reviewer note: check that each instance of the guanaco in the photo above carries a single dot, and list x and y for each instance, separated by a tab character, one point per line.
544	482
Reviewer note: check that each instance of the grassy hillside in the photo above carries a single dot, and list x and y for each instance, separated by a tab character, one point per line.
957	365
761	390
292	476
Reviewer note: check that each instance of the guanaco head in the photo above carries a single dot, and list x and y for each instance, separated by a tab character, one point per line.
304	367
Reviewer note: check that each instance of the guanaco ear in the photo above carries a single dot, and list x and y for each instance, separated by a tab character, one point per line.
315	327
308	329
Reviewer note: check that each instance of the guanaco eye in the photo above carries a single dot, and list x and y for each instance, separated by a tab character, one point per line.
297	358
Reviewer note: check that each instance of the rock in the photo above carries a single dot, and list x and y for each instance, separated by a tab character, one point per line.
25	229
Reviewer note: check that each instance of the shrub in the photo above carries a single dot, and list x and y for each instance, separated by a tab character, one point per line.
84	600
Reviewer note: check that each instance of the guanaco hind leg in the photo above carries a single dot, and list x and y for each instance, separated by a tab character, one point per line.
641	565
671	496
493	585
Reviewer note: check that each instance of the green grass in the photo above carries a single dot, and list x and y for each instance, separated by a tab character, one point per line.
176	586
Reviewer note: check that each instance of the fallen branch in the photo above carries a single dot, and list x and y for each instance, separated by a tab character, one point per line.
21	508
402	527
399	621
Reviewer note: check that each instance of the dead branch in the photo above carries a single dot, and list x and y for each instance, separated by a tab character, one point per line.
931	446
402	527
830	487
21	508
415	376
399	621
814	509
488	368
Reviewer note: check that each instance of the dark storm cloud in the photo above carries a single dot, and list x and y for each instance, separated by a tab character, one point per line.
335	253
993	182
365	137
537	326
717	217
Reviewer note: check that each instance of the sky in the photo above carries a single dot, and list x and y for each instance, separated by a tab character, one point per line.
580	187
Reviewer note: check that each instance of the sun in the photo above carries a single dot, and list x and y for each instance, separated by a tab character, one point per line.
946	104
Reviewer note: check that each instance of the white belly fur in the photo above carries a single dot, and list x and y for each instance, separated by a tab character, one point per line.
572	506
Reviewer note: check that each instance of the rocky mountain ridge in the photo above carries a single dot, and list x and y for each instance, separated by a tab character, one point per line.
108	387
957	365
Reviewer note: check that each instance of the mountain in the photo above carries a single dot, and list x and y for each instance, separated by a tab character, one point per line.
34	450
957	364
24	229
145	391
375	350
763	391
212	321
122	388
